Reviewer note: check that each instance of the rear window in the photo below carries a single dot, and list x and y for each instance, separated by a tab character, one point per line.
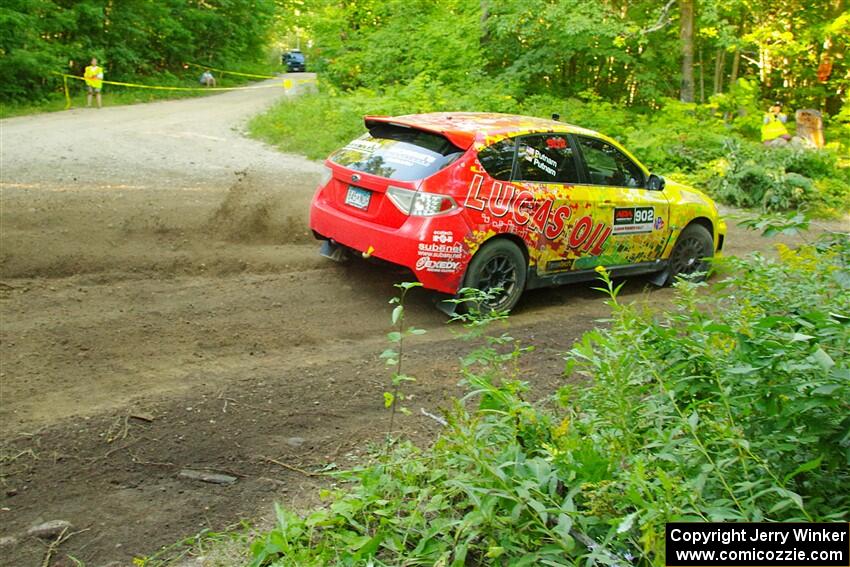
396	152
498	159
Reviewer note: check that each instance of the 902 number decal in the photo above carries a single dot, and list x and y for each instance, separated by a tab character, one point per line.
629	220
644	215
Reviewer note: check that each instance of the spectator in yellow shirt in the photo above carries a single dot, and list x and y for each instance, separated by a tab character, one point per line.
773	128
94	81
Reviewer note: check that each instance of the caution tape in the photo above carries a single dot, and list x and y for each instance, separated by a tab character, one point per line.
286	84
223	72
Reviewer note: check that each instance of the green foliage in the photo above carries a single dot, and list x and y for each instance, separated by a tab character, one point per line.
757	383
793	223
783	178
131	40
626	53
733	406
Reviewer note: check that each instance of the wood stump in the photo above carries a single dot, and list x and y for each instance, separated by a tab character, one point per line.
810	127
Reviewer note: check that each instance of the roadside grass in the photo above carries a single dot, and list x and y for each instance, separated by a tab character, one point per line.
688	143
119	96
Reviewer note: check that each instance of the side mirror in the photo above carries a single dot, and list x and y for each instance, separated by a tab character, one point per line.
655	183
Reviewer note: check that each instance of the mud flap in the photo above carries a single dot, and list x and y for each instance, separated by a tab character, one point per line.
333	251
660	278
442	304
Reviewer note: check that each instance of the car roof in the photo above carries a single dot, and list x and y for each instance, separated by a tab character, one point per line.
464	129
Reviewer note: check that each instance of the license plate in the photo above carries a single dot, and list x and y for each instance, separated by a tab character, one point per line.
357	197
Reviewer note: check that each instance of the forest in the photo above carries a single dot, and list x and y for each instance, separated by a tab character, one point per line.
148	41
626	52
629	53
684	86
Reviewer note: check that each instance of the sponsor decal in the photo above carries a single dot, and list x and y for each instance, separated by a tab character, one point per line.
407	157
659	223
631	220
428	264
442	255
624	216
557	143
443	236
589	237
542	217
441	250
365	146
558	265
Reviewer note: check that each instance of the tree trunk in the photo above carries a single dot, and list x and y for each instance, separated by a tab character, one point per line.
484	37
686	32
701	78
719	68
736	62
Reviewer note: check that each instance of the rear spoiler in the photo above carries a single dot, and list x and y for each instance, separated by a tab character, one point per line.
461	139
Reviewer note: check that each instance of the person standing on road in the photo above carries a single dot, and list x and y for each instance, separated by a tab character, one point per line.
94	82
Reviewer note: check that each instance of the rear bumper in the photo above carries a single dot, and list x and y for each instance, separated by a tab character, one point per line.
433	248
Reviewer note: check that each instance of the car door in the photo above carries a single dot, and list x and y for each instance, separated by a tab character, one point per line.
547	170
635	219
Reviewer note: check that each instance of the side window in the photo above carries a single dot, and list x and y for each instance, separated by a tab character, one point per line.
546	158
498	159
606	165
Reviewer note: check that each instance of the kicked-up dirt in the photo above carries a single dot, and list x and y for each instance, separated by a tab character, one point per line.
165	315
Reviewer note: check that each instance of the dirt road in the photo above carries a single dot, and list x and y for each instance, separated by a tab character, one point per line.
164	307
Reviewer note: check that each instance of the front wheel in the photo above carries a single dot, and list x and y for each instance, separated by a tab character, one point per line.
499	268
689	255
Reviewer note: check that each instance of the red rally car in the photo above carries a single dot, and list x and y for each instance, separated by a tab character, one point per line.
505	203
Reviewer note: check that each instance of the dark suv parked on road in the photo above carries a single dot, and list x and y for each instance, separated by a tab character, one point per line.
294	61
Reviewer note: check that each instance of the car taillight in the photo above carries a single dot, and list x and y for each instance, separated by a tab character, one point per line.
419	204
326	176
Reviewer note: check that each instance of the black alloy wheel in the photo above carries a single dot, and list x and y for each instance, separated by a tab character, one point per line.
694	245
499	268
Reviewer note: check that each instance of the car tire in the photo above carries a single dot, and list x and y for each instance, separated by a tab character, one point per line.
693	246
498	264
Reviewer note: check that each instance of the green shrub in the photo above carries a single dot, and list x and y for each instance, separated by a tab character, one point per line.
776	179
733	406
834	195
809	162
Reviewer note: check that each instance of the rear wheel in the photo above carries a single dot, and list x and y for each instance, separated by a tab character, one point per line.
694	245
499	268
